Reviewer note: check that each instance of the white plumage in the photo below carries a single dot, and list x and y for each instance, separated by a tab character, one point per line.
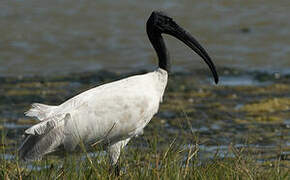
111	114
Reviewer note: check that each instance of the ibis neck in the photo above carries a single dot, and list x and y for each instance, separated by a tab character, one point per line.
158	43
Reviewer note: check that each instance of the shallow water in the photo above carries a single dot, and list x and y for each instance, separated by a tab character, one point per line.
252	114
241	81
59	37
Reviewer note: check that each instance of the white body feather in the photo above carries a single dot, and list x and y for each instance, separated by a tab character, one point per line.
111	114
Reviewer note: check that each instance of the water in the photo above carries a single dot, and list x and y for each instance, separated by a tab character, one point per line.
245	80
15	126
60	37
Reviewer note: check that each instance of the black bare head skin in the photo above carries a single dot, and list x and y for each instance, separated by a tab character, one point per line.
159	23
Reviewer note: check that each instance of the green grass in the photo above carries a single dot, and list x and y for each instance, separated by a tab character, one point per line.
173	161
157	155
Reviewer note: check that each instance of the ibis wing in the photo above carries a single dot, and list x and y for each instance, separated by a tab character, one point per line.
40	111
46	125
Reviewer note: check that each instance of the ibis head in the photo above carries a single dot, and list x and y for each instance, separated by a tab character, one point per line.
159	23
111	114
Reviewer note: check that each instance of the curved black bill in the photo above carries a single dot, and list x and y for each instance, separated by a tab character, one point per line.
179	33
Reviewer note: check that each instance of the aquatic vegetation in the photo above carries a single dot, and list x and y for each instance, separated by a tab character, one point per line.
173	161
268	106
242	131
268	109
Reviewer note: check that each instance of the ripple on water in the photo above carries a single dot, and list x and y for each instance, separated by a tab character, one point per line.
287	123
7	156
225	151
15	126
244	80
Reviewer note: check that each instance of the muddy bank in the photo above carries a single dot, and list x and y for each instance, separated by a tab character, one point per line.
249	110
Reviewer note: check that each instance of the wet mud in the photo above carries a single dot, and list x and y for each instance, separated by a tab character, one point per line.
249	110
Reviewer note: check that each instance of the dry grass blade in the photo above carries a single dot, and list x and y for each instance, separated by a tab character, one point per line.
240	163
19	172
105	137
169	148
192	152
60	174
